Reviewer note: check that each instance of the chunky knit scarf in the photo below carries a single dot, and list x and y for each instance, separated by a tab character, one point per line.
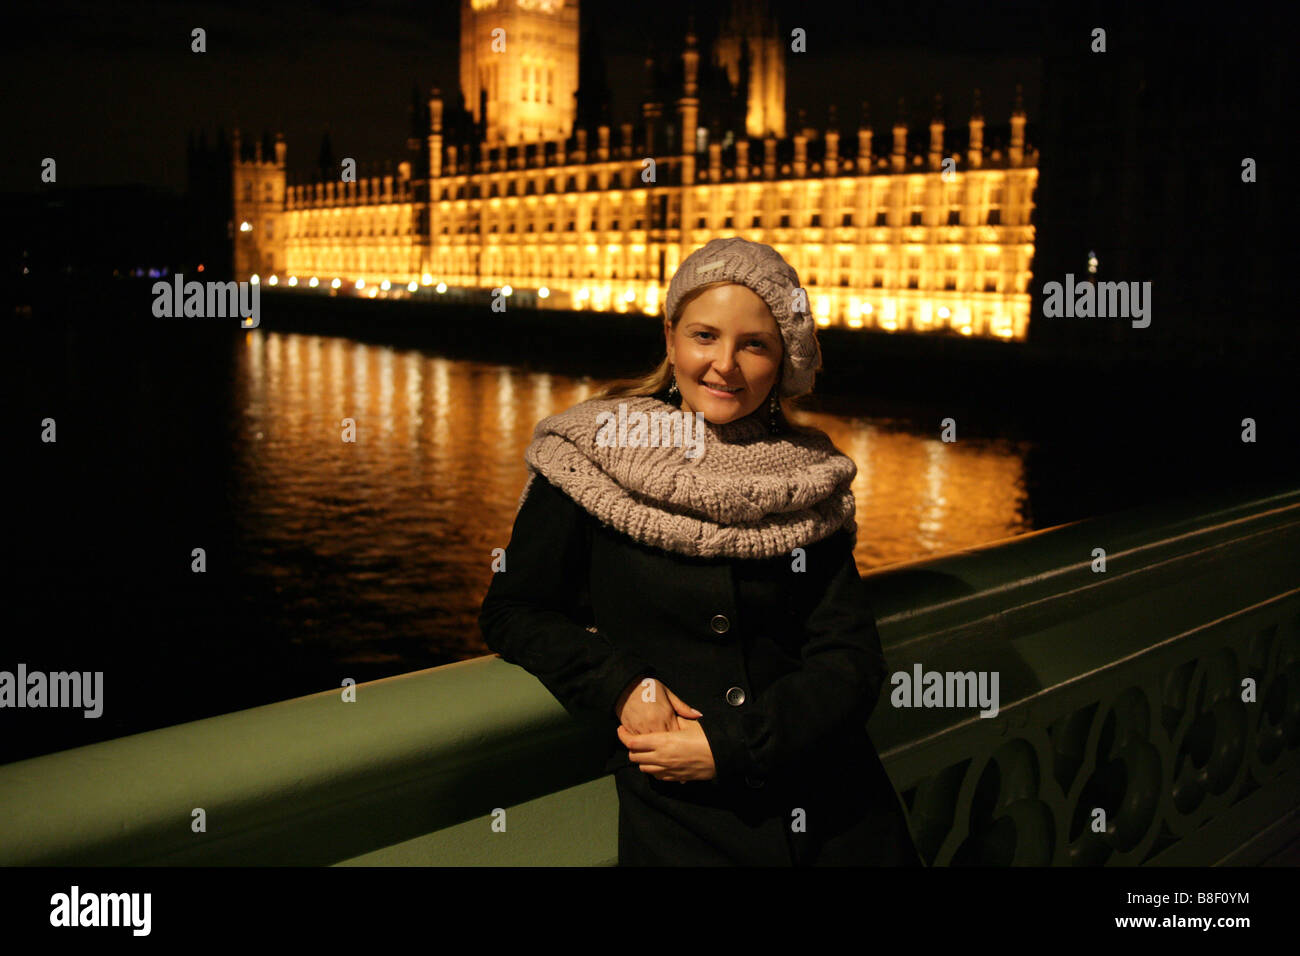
745	493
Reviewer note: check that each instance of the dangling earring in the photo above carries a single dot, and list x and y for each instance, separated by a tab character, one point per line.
773	408
672	388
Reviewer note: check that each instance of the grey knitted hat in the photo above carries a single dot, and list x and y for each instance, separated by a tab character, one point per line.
762	269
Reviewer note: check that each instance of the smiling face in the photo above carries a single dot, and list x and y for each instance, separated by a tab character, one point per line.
726	336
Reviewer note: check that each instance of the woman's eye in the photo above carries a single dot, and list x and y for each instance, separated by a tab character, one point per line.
759	342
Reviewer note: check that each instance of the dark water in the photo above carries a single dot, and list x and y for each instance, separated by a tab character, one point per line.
328	559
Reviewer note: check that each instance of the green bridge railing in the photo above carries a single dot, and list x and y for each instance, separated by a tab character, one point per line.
1157	702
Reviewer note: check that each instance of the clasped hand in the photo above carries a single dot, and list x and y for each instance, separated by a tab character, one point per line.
662	733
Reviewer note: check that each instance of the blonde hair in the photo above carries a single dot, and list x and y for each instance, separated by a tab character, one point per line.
657	380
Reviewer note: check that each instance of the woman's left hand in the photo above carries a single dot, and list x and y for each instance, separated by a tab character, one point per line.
676	755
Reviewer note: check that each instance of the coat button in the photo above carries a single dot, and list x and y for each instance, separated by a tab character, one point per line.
735	696
720	624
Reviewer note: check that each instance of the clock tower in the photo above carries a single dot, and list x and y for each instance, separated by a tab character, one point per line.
519	66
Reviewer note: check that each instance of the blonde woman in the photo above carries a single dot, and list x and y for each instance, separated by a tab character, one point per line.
682	566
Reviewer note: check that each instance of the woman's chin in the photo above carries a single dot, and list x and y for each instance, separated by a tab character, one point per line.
718	411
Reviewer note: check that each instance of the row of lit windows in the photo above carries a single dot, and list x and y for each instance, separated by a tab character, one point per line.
535	79
317	233
992	217
269	193
617	180
991	214
309	197
955	195
631	179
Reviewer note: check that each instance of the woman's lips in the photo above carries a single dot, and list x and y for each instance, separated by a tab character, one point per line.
715	392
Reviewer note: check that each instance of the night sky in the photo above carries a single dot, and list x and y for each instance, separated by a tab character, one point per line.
111	91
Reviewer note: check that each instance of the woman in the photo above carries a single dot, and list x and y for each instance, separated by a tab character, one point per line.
701	594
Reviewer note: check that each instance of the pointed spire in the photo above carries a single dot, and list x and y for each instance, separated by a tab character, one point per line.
1016	149
936	133
864	137
975	141
690	62
898	159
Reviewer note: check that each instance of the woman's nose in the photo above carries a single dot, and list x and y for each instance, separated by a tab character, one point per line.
725	360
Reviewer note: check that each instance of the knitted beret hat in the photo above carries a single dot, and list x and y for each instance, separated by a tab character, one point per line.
762	269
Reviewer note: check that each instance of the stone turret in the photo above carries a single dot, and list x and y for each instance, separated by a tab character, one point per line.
898	160
975	150
1017	148
936	134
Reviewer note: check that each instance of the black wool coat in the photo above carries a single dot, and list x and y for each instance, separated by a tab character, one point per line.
785	665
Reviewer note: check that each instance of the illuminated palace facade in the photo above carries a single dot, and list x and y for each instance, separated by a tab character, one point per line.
923	234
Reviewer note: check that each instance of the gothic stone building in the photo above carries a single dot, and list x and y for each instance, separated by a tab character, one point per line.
528	191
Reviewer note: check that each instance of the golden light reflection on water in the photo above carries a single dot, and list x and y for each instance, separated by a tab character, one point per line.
918	496
393	533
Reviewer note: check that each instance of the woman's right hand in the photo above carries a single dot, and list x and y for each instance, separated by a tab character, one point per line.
646	706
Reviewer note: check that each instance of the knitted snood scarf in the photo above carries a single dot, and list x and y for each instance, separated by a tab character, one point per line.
746	493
